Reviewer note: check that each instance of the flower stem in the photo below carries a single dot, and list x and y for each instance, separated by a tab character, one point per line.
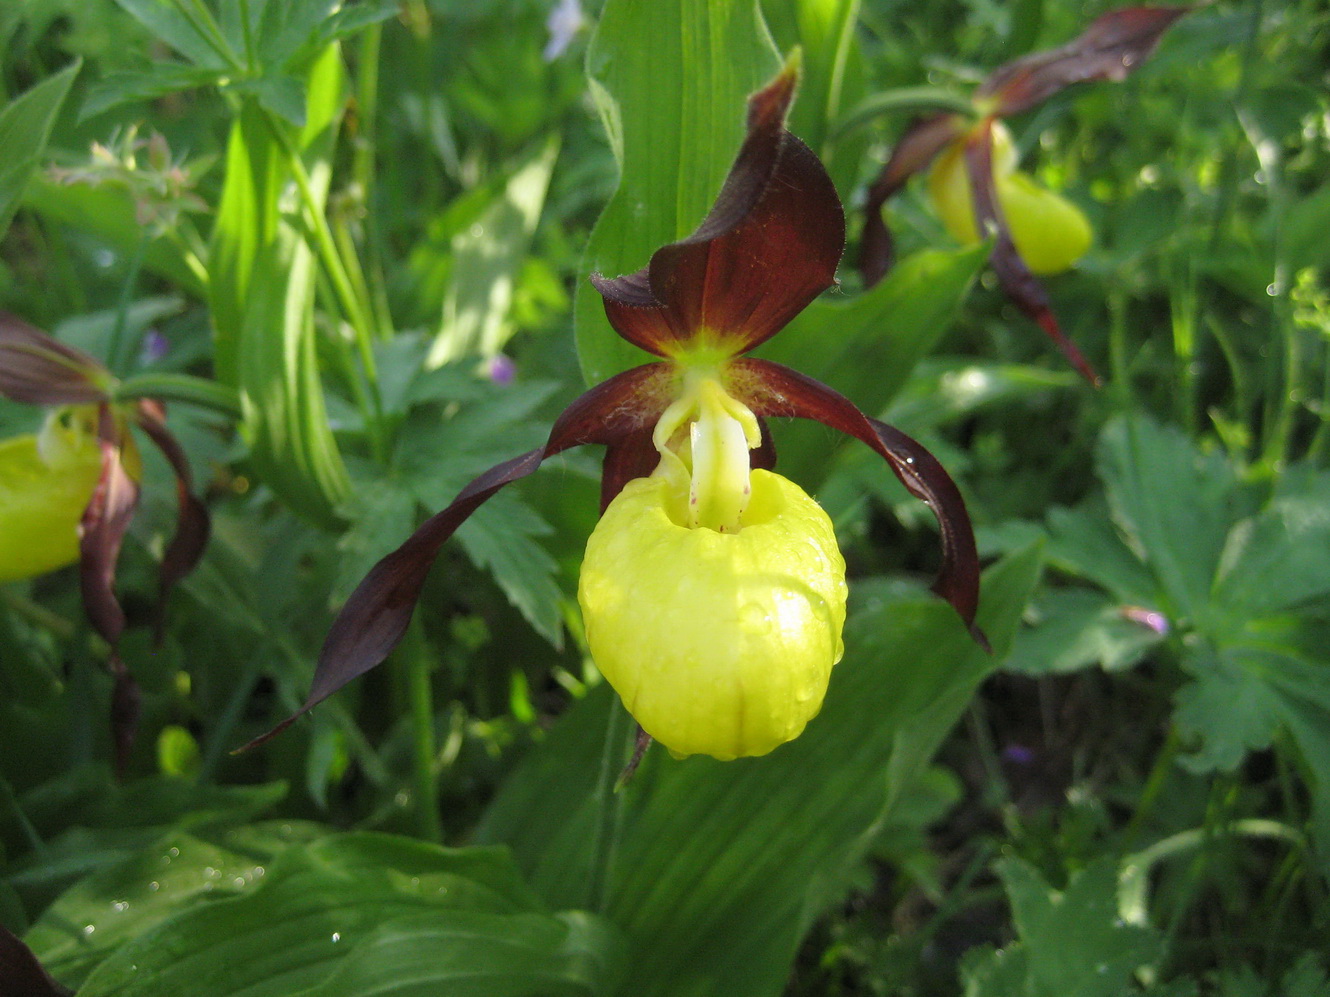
608	805
182	388
414	659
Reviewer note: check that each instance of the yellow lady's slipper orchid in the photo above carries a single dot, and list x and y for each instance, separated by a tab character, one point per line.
46	481
712	590
1050	232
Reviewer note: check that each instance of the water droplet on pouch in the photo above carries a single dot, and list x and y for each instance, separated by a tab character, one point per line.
754	619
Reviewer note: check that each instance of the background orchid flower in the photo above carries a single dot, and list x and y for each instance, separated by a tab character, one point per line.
712	589
83	472
974	183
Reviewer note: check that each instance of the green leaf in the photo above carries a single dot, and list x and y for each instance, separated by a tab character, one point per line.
1077	628
500	538
1084	542
487	258
943	390
363	914
262	294
1277	559
25	126
670	81
130	88
1174	504
1072	943
721	866
166	22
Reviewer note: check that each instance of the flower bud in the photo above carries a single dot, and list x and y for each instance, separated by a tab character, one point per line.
720	643
1050	233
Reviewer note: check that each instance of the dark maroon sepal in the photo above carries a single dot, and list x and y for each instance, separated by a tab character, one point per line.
102	530
377	614
193	524
768	247
1113	46
771	389
918	147
38	370
126	708
1022	286
21	975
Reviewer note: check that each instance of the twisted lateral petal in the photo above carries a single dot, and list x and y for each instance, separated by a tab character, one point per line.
916	149
377	614
1112	46
39	370
104	523
1020	284
193	524
771	389
769	246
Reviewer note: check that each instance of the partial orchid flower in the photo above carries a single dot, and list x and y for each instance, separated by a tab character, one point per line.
70	492
712	591
974	183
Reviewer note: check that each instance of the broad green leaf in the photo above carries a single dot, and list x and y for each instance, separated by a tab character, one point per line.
109	908
944	389
867	347
670	81
1077	628
342	915
487	258
721	866
1174	504
262	294
25	126
1083	541
1072	943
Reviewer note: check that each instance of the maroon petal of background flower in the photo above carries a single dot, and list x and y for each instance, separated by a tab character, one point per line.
193	524
21	975
37	369
771	389
102	530
768	247
917	148
1020	284
377	614
1113	46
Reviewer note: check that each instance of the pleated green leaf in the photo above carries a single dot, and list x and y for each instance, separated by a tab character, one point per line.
670	81
721	866
362	914
262	294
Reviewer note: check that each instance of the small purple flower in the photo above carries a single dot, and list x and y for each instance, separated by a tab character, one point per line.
154	347
501	370
1018	754
1151	618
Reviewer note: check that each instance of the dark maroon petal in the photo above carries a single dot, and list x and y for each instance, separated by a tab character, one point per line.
1020	284
635	456
21	975
1113	46
193	524
102	530
39	370
771	389
917	148
377	614
768	247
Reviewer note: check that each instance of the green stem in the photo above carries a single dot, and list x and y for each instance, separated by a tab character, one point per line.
608	804
904	99
415	661
185	388
1117	351
201	18
116	358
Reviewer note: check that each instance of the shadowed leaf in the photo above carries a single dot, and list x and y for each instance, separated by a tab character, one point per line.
21	975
